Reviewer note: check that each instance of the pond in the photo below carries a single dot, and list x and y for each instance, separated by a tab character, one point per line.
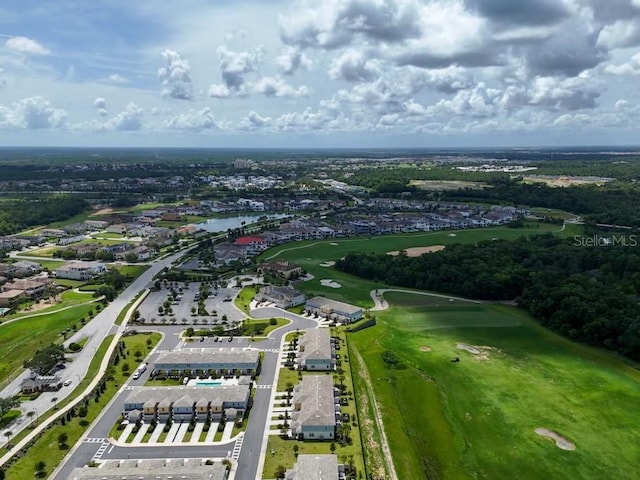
224	224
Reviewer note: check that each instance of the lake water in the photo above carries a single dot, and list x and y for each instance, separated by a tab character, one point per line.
223	224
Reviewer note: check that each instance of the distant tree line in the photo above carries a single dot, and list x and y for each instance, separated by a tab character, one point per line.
588	294
16	215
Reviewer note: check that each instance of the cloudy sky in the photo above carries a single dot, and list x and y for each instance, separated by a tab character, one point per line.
359	73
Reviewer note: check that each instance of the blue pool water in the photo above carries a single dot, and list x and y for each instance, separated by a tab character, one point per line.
208	383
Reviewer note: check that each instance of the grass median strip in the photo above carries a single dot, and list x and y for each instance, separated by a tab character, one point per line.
49	446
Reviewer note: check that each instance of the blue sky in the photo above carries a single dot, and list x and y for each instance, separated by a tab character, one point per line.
303	73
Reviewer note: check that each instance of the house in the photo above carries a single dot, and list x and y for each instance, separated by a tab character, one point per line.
10	298
254	244
34	287
187	403
20	269
281	268
202	362
315	408
333	309
153	469
283	297
80	270
41	383
315	467
316	351
96	224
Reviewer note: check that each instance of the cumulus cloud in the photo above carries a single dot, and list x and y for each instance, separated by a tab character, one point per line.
632	67
2	80
277	87
130	119
291	60
621	34
352	65
26	45
193	120
234	66
521	12
254	121
175	76
117	79
33	113
101	105
336	23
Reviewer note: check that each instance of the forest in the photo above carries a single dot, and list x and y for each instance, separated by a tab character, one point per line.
16	215
588	294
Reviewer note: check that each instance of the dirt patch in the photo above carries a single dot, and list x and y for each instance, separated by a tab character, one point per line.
561	442
104	211
424	348
330	283
40	305
330	263
417	251
566	180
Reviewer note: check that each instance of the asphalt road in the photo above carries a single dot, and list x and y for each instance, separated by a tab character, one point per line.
96	330
255	434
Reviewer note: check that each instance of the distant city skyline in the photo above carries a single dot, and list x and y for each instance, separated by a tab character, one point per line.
333	74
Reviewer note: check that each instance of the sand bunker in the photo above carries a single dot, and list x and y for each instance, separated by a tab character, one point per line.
468	348
329	283
424	348
478	352
451	235
417	251
330	263
561	442
333	243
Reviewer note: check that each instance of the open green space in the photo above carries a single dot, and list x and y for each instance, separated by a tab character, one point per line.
20	338
243	299
312	253
476	418
48	448
68	298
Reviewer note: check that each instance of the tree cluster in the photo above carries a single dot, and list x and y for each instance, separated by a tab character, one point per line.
17	215
588	294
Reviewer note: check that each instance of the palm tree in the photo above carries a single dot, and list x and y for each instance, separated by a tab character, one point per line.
30	415
40	467
8	434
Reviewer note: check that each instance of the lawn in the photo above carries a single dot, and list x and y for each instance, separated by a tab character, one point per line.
476	418
311	254
244	298
47	447
19	339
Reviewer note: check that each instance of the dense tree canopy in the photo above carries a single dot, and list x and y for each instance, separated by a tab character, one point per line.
17	215
586	293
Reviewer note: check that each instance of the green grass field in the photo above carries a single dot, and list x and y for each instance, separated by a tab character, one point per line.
476	418
310	254
19	339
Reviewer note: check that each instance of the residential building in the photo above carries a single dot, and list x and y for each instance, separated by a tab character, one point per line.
207	362
80	270
34	287
187	403
10	298
254	244
316	351
281	268
283	297
333	309
315	467
315	408
152	469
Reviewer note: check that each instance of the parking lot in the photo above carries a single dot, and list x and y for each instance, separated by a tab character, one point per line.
184	308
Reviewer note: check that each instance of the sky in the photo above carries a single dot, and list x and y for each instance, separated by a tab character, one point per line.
309	73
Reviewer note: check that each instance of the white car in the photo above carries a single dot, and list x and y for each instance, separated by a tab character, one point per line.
67	382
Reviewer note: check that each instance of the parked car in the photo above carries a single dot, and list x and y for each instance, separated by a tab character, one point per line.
67	382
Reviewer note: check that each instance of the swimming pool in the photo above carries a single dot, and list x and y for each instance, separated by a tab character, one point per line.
208	383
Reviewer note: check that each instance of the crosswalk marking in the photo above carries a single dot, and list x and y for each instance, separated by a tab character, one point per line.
237	447
100	451
264	386
94	440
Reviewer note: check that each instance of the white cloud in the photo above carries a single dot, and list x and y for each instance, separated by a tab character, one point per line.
291	60
632	67
130	119
623	33
117	79
175	76
193	120
234	66
32	113
353	66
276	87
254	121
101	105
26	45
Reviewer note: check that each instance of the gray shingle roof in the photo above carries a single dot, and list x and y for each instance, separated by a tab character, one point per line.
316	343
317	401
